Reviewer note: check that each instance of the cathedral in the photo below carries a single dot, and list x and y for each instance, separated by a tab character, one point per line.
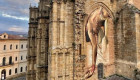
84	40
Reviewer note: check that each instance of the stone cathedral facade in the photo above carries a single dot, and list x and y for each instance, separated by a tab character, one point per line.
57	47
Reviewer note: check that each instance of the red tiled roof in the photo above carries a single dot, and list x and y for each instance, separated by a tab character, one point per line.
15	37
10	36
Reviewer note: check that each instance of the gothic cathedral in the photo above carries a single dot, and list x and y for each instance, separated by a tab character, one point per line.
83	40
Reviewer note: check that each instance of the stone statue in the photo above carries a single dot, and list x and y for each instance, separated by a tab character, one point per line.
95	32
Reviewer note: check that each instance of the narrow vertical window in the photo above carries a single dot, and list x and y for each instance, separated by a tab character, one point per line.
80	49
21	57
26	68
10	46
3	62
16	70
4	47
10	72
16	46
10	60
22	46
21	69
16	59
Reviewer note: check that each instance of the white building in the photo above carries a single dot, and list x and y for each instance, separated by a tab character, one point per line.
13	55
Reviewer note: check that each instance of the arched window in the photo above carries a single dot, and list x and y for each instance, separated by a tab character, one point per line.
21	69
3	74
10	60
10	46
3	61
15	58
4	36
10	71
16	70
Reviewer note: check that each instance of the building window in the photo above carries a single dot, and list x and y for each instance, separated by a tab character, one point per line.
16	59
22	46
3	61
10	72
3	74
80	49
10	46
4	47
16	70
10	60
21	57
21	69
16	46
26	68
4	36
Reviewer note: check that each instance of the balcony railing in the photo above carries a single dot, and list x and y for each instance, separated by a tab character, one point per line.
6	64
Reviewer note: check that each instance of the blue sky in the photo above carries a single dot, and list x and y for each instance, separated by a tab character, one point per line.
14	14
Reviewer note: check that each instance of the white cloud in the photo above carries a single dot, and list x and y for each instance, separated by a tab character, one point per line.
17	7
24	11
15	17
16	29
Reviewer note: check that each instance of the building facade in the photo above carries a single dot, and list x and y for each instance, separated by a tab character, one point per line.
60	39
13	55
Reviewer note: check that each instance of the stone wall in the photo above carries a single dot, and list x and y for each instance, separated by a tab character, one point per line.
126	49
61	39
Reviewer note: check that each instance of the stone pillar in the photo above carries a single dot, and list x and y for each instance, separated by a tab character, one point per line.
31	51
32	43
64	66
56	67
28	59
38	52
54	24
62	23
71	66
62	36
69	9
42	50
137	23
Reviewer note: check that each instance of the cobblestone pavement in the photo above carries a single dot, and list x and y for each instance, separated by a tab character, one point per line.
20	78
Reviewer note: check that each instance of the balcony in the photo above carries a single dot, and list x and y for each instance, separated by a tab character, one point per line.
6	64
